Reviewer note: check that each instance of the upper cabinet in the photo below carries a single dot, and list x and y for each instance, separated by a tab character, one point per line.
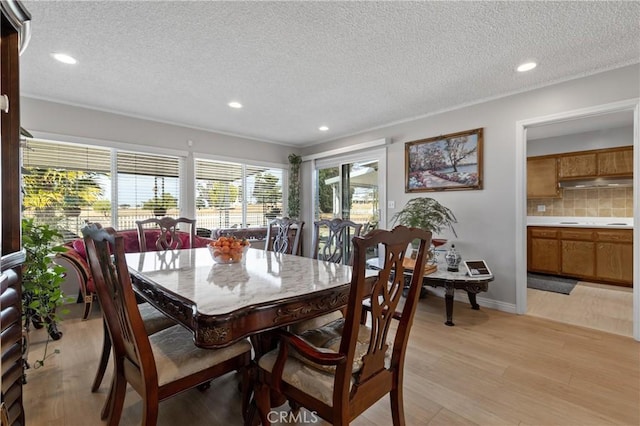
610	162
577	165
542	177
545	171
616	162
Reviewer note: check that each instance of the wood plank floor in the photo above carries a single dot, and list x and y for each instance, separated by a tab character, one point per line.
492	368
602	307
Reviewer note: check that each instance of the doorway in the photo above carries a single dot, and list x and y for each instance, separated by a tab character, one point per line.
590	115
351	187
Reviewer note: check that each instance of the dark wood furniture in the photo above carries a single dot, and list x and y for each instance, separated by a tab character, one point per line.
157	366
168	236
153	320
15	32
332	240
331	243
223	304
284	235
451	281
356	365
602	254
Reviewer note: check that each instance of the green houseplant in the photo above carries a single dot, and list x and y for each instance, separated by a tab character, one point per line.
293	208
426	213
41	278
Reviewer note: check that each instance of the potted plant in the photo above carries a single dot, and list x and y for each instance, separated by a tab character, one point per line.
426	213
294	186
41	278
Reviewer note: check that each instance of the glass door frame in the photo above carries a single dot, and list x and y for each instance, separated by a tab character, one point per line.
379	155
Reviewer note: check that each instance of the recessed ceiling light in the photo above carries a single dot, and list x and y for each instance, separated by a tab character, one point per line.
235	105
527	66
323	128
65	59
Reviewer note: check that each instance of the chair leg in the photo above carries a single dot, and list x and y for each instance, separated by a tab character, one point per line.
108	403
397	406
117	399
150	411
88	303
263	402
104	358
245	386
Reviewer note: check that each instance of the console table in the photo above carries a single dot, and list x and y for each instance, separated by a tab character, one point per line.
451	281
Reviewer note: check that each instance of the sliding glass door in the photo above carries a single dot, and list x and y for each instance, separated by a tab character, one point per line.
350	187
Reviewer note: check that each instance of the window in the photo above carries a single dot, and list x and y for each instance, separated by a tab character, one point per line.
148	185
66	184
236	195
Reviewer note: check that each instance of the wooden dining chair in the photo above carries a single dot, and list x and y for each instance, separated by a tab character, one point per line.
156	366
341	369
332	243
167	229
153	320
283	236
332	240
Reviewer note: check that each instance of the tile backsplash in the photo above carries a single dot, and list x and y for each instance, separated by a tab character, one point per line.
586	202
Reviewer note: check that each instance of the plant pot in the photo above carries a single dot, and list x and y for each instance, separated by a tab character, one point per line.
160	211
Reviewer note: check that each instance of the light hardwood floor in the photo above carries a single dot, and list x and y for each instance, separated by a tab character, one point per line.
492	368
599	306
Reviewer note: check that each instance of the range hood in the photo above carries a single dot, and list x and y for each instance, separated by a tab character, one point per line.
609	182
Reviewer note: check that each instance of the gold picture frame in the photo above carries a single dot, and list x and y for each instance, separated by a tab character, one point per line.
450	162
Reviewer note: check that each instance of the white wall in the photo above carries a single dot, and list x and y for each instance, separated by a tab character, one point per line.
487	217
599	139
40	116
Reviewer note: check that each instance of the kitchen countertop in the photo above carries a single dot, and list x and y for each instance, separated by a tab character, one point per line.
581	222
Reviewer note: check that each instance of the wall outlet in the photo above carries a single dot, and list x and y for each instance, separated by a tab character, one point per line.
542	208
391	204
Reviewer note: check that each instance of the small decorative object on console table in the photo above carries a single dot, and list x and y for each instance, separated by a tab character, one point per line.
428	214
453	259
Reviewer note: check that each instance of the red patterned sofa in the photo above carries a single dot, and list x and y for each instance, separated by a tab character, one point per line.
75	260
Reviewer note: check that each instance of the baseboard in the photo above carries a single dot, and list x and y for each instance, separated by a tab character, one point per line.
461	296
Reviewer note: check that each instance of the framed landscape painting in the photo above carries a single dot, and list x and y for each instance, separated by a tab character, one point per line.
444	163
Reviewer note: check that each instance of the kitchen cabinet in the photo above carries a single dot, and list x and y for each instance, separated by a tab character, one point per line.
543	250
608	162
616	162
577	252
577	165
590	254
614	256
542	177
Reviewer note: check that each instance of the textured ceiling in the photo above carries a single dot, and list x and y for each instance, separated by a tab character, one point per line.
295	66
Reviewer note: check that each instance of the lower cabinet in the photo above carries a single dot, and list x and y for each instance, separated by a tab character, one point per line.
591	254
543	252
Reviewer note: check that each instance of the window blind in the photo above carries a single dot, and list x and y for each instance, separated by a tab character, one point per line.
65	185
148	185
236	195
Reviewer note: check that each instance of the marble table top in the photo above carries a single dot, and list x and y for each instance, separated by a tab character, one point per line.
218	289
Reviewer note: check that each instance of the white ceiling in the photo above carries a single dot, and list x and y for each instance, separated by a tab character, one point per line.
295	66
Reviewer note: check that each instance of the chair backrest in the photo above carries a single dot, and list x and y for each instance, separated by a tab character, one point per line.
283	236
118	302
332	240
167	228
376	376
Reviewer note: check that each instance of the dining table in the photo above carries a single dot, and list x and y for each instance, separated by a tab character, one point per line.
225	303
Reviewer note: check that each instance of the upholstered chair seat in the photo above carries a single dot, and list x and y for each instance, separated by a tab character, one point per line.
312	378
176	356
